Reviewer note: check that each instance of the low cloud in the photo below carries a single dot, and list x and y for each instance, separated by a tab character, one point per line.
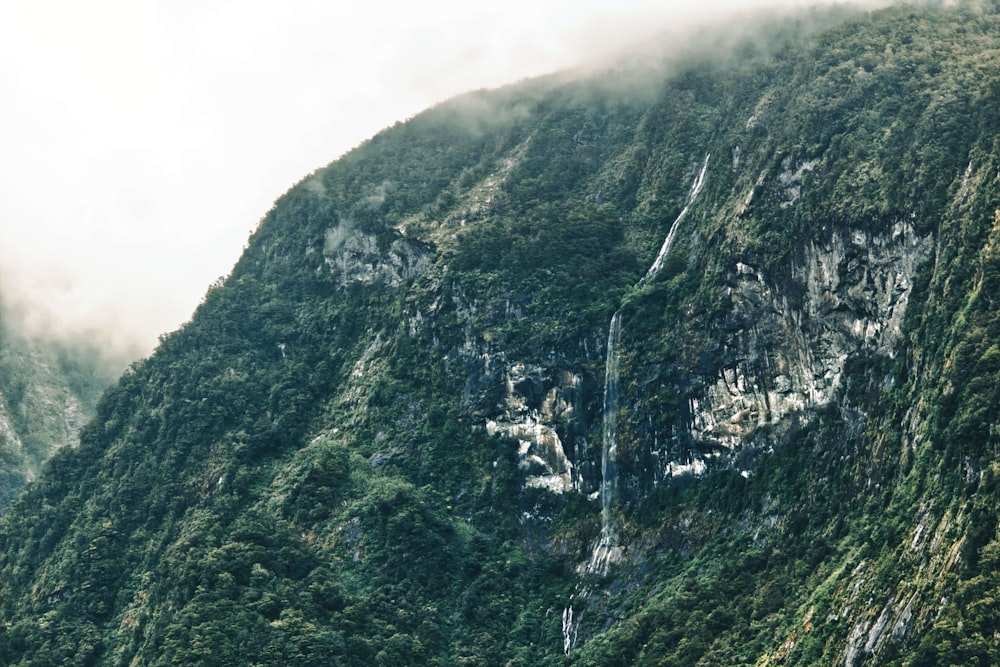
143	140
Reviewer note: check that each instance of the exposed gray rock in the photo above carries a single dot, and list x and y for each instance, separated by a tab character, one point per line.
357	257
533	405
843	297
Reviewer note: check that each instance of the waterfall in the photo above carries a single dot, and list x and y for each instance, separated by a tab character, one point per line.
609	450
699	181
607	551
568	628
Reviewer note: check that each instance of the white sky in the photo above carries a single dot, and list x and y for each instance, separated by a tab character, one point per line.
142	140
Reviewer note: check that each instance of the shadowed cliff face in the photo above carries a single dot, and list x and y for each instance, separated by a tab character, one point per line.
703	374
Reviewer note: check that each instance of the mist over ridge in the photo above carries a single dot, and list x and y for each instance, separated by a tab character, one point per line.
159	184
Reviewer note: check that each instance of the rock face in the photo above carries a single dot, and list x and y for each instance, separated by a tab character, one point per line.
535	410
357	257
785	355
791	337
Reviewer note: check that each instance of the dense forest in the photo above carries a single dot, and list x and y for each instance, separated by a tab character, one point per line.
689	360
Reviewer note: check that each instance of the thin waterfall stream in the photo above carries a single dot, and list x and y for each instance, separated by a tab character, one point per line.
607	550
696	187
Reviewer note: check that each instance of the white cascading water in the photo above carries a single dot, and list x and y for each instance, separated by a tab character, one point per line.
568	628
607	550
667	242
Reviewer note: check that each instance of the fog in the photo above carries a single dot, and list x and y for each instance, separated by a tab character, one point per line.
143	140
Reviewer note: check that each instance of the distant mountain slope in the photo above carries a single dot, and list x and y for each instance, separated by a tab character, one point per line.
685	363
48	390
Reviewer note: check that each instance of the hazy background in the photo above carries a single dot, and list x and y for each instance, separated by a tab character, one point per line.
142	140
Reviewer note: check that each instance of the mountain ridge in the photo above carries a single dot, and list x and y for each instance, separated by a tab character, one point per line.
383	438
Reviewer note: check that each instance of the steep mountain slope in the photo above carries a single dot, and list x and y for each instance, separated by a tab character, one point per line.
692	363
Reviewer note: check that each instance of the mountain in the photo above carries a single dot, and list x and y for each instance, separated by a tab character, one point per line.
692	361
48	389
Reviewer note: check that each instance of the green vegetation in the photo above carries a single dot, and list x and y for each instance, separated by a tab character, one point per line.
311	472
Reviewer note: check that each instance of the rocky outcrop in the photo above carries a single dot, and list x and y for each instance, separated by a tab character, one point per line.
790	338
357	257
535	408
